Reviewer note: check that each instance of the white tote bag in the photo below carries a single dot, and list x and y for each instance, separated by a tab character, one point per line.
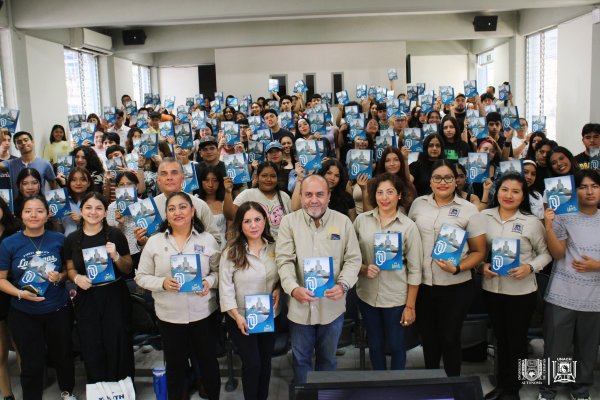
122	390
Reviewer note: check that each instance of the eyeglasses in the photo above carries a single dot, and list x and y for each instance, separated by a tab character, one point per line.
438	178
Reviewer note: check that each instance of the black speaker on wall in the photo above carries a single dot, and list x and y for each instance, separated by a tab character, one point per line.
134	37
485	23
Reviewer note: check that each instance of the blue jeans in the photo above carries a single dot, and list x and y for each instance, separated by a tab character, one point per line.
382	324
319	339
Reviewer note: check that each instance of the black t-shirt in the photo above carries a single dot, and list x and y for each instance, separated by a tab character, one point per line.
341	201
583	160
421	171
281	132
455	150
73	248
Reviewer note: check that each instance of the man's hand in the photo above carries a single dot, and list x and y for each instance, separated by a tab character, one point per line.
335	293
302	295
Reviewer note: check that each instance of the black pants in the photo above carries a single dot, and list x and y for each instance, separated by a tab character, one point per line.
37	336
199	338
255	351
103	314
510	317
441	311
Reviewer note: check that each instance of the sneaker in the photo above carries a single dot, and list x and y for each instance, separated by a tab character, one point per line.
580	397
68	396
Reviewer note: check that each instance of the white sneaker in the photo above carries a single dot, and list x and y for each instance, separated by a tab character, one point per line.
68	396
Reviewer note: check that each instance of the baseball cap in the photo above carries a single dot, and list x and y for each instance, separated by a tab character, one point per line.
206	140
273	145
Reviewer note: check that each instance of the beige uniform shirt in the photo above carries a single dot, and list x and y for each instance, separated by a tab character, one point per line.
533	249
388	288
298	239
155	266
260	277
429	218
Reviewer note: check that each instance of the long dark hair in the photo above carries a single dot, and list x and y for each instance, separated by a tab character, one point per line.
564	151
424	155
341	186
57	126
525	206
445	163
220	193
411	191
454	123
237	241
129	140
105	227
87	176
196	223
19	199
94	165
530	155
8	220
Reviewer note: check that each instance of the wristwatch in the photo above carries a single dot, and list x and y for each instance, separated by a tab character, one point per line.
344	286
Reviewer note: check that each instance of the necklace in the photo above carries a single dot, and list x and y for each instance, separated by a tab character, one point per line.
37	248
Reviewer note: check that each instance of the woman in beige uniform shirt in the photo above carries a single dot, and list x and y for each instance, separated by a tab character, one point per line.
511	298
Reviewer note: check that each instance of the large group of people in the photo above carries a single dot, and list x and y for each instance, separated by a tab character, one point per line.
256	237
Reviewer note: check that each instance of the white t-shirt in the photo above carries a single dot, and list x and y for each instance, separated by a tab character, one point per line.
273	207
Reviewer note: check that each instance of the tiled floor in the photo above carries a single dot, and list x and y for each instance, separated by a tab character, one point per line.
282	374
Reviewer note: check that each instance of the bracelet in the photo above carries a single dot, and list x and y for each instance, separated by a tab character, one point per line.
457	269
19	294
75	279
117	259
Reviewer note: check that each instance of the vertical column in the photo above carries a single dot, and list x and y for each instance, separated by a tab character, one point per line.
595	79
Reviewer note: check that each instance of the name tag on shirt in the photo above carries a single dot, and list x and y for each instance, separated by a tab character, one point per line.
517	228
454	212
198	249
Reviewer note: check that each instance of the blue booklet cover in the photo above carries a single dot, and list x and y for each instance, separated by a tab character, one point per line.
300	87
259	313
361	91
109	115
342	97
199	119
75	120
142	120
478	127
6	195
199	99
539	123
182	113
464	161
236	166
166	129
392	74
287	120
560	193
132	112
187	271
420	88
412	92
148	99
256	151
113	165
317	123
131	159
244	106
413	139
381	94
505	255
360	162
429	129
156	99
510	117
479	167
255	122
64	165
9	119
169	102
327	97
124	197
231	132
98	265
511	167
318	275
35	275
388	250
145	215
216	125
449	244
215	106
219	96
351	110
233	102
58	202
356	126
503	91
149	145
382	142
189	102
403	106
490	108
190	179
273	105
472	114
247	97
83	133
273	85
323	108
308	154
447	94
594	157
262	135
470	88
426	102
184	137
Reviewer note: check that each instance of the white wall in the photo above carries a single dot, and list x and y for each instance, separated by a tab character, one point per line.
180	82
574	77
502	62
123	79
246	70
436	71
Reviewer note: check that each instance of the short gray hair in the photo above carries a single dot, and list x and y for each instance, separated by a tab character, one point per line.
169	160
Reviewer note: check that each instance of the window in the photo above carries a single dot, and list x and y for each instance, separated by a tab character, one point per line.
83	85
337	83
282	79
485	71
309	80
541	78
1	91
141	83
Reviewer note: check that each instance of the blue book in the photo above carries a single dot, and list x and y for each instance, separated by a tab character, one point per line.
560	193
318	275
490	108
342	97
429	129
156	99
382	142
215	106
327	98
216	125
182	113
255	122
413	139
479	167
75	120
351	110
64	164
113	165
470	88
187	271
148	99
142	120
478	127
189	102
392	74
388	251
595	158
287	120
109	115
98	265
199	99
472	114
539	123
231	132
35	275
259	313
9	119
81	134
273	85
256	151
447	94
503	91
322	108
166	129
464	161
124	197
360	162
184	137
308	154
420	88
244	106
262	135
412	92
190	179
236	166
219	96
169	102
132	112
317	123
199	119
247	97
131	159
149	145
426	102
403	106
300	87
7	196
58	202
381	94
511	167
233	102
506	255
361	91
145	215
449	244
510	117
356	126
